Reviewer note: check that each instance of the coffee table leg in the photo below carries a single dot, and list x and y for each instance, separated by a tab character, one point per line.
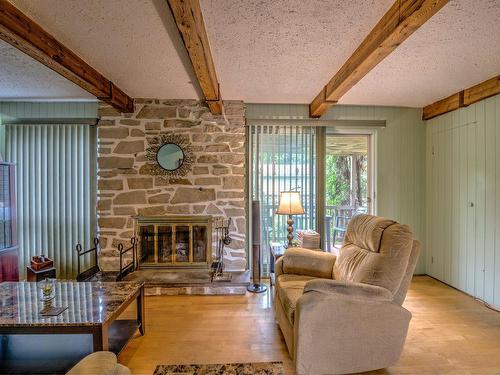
100	339
140	312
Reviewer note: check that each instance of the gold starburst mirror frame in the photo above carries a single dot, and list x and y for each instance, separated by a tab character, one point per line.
171	155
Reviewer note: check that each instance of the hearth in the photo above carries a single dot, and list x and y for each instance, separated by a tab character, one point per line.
174	241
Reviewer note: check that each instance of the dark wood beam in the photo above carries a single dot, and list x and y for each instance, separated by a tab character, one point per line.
189	20
463	98
26	35
401	20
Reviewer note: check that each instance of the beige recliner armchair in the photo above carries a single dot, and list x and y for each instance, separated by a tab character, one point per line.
343	314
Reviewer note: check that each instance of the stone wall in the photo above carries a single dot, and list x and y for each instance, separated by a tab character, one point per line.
215	186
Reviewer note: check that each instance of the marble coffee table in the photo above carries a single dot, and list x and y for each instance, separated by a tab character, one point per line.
90	323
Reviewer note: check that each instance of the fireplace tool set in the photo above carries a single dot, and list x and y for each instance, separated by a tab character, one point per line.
222	239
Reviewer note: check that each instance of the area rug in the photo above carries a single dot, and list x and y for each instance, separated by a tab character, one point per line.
259	368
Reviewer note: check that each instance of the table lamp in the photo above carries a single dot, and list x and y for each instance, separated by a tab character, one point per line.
289	204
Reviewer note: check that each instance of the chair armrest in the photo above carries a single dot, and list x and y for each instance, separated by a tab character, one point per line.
278	267
301	261
349	289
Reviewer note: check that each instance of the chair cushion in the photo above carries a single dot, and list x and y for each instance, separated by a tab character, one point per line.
289	289
365	231
376	251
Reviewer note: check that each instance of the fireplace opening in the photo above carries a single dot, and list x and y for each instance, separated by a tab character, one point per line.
174	241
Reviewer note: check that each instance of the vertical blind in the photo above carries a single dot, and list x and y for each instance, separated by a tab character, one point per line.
283	158
55	189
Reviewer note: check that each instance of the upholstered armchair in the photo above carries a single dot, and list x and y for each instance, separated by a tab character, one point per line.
343	314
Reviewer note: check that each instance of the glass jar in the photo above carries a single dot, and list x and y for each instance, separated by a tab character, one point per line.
47	289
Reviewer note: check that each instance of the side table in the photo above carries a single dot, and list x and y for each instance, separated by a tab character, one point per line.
277	251
39	275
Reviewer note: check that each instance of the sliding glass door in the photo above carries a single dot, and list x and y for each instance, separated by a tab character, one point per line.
347	183
330	169
282	158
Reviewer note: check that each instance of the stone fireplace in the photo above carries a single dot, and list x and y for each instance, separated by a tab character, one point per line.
214	187
174	241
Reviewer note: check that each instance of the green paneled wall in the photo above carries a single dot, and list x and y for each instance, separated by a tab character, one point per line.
400	157
40	110
48	109
463	190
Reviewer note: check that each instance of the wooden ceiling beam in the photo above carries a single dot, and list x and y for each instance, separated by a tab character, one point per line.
189	20
401	20
448	104
22	32
463	98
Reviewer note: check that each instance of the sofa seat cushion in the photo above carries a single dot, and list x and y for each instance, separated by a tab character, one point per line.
289	289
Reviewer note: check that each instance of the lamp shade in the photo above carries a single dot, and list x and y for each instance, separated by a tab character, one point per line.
290	204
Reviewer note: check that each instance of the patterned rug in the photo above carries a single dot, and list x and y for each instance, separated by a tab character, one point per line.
260	368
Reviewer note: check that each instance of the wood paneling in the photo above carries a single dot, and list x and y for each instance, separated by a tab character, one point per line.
463	98
400	157
401	20
189	20
449	333
26	35
463	199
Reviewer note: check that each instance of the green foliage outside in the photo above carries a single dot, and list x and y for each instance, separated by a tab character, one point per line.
338	180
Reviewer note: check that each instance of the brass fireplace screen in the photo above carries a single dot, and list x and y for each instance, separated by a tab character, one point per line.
175	241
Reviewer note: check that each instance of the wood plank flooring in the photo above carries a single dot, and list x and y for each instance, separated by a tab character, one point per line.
450	333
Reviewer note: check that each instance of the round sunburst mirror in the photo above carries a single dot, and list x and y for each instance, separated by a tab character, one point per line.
172	155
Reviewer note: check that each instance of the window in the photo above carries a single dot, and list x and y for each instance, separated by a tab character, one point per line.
55	182
283	158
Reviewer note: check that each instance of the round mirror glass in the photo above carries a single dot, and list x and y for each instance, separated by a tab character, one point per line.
170	156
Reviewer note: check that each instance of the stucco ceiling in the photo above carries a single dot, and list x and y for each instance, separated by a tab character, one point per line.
281	51
22	78
457	48
134	43
284	51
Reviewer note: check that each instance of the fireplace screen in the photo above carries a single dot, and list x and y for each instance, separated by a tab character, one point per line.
174	241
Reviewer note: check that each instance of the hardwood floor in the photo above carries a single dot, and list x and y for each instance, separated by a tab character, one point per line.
450	333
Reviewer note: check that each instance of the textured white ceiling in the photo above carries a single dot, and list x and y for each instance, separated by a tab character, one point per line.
457	48
281	51
284	51
134	43
22	78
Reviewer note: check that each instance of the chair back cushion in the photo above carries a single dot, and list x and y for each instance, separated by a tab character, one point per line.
376	251
400	295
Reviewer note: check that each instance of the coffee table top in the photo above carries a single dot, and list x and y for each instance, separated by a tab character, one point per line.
89	303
